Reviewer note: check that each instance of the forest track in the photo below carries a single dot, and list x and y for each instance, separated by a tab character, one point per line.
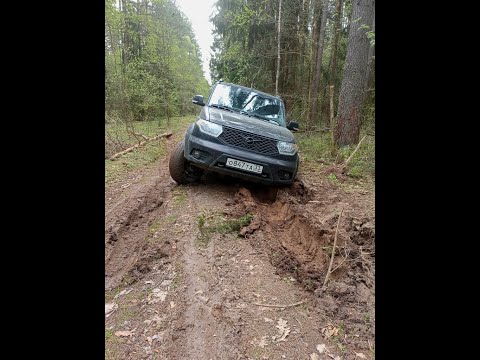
180	298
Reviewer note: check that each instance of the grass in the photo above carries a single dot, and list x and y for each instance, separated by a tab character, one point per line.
211	223
146	154
148	128
315	151
125	311
108	334
180	195
111	344
156	225
160	224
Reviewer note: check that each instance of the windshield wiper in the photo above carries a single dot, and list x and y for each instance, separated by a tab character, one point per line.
223	107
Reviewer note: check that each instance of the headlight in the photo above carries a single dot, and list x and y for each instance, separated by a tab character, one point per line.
209	128
286	148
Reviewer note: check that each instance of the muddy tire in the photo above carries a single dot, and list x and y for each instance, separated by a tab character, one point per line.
180	171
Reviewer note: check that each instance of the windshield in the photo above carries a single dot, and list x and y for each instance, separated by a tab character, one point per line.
248	102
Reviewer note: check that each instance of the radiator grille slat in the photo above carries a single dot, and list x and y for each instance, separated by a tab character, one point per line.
249	141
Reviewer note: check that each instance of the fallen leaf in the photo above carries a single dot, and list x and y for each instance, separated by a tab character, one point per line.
123	333
263	342
321	348
329	331
166	282
110	308
282	324
360	355
158	295
284	330
172	304
284	335
314	356
157	319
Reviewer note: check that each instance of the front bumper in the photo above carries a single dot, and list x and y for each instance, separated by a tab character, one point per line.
214	156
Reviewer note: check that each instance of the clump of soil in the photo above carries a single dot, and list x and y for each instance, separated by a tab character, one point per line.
297	232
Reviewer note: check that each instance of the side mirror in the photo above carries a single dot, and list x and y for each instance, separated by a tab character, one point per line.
198	100
292	125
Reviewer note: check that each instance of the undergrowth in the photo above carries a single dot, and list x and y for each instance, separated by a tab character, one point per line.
211	223
316	152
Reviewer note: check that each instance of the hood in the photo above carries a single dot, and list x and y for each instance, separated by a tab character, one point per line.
247	123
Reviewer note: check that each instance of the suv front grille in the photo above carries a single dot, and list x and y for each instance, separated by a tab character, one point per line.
245	140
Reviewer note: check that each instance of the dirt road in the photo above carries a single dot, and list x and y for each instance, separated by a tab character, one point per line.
184	281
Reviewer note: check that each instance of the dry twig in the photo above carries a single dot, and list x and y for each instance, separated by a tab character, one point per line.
117	155
333	251
354	151
281	306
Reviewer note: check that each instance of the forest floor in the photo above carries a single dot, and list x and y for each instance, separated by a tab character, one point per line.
225	269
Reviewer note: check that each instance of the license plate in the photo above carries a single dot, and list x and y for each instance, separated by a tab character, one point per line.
243	165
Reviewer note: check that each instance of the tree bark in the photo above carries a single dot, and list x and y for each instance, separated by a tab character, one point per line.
332	124
278	46
318	67
352	92
371	54
336	30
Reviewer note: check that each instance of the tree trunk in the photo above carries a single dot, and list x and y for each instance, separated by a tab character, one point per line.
278	47
371	54
318	67
352	92
336	30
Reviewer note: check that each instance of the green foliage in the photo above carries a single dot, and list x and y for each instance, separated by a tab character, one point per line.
211	223
363	162
134	160
153	66
144	155
245	50
315	151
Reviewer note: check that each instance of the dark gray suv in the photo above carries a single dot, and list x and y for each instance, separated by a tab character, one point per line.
240	132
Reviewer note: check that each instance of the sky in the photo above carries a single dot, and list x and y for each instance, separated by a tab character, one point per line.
198	12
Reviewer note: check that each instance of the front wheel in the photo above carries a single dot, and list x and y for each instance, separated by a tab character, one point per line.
180	170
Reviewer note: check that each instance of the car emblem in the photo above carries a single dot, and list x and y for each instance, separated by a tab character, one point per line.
249	140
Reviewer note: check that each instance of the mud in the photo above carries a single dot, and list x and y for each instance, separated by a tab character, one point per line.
192	302
297	232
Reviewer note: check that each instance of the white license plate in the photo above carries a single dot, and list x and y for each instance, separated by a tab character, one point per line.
243	165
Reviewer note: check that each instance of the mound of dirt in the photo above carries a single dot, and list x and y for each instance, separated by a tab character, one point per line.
297	232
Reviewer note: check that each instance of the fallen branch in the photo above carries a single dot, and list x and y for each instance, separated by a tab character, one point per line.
354	151
333	251
281	306
344	259
117	155
141	135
